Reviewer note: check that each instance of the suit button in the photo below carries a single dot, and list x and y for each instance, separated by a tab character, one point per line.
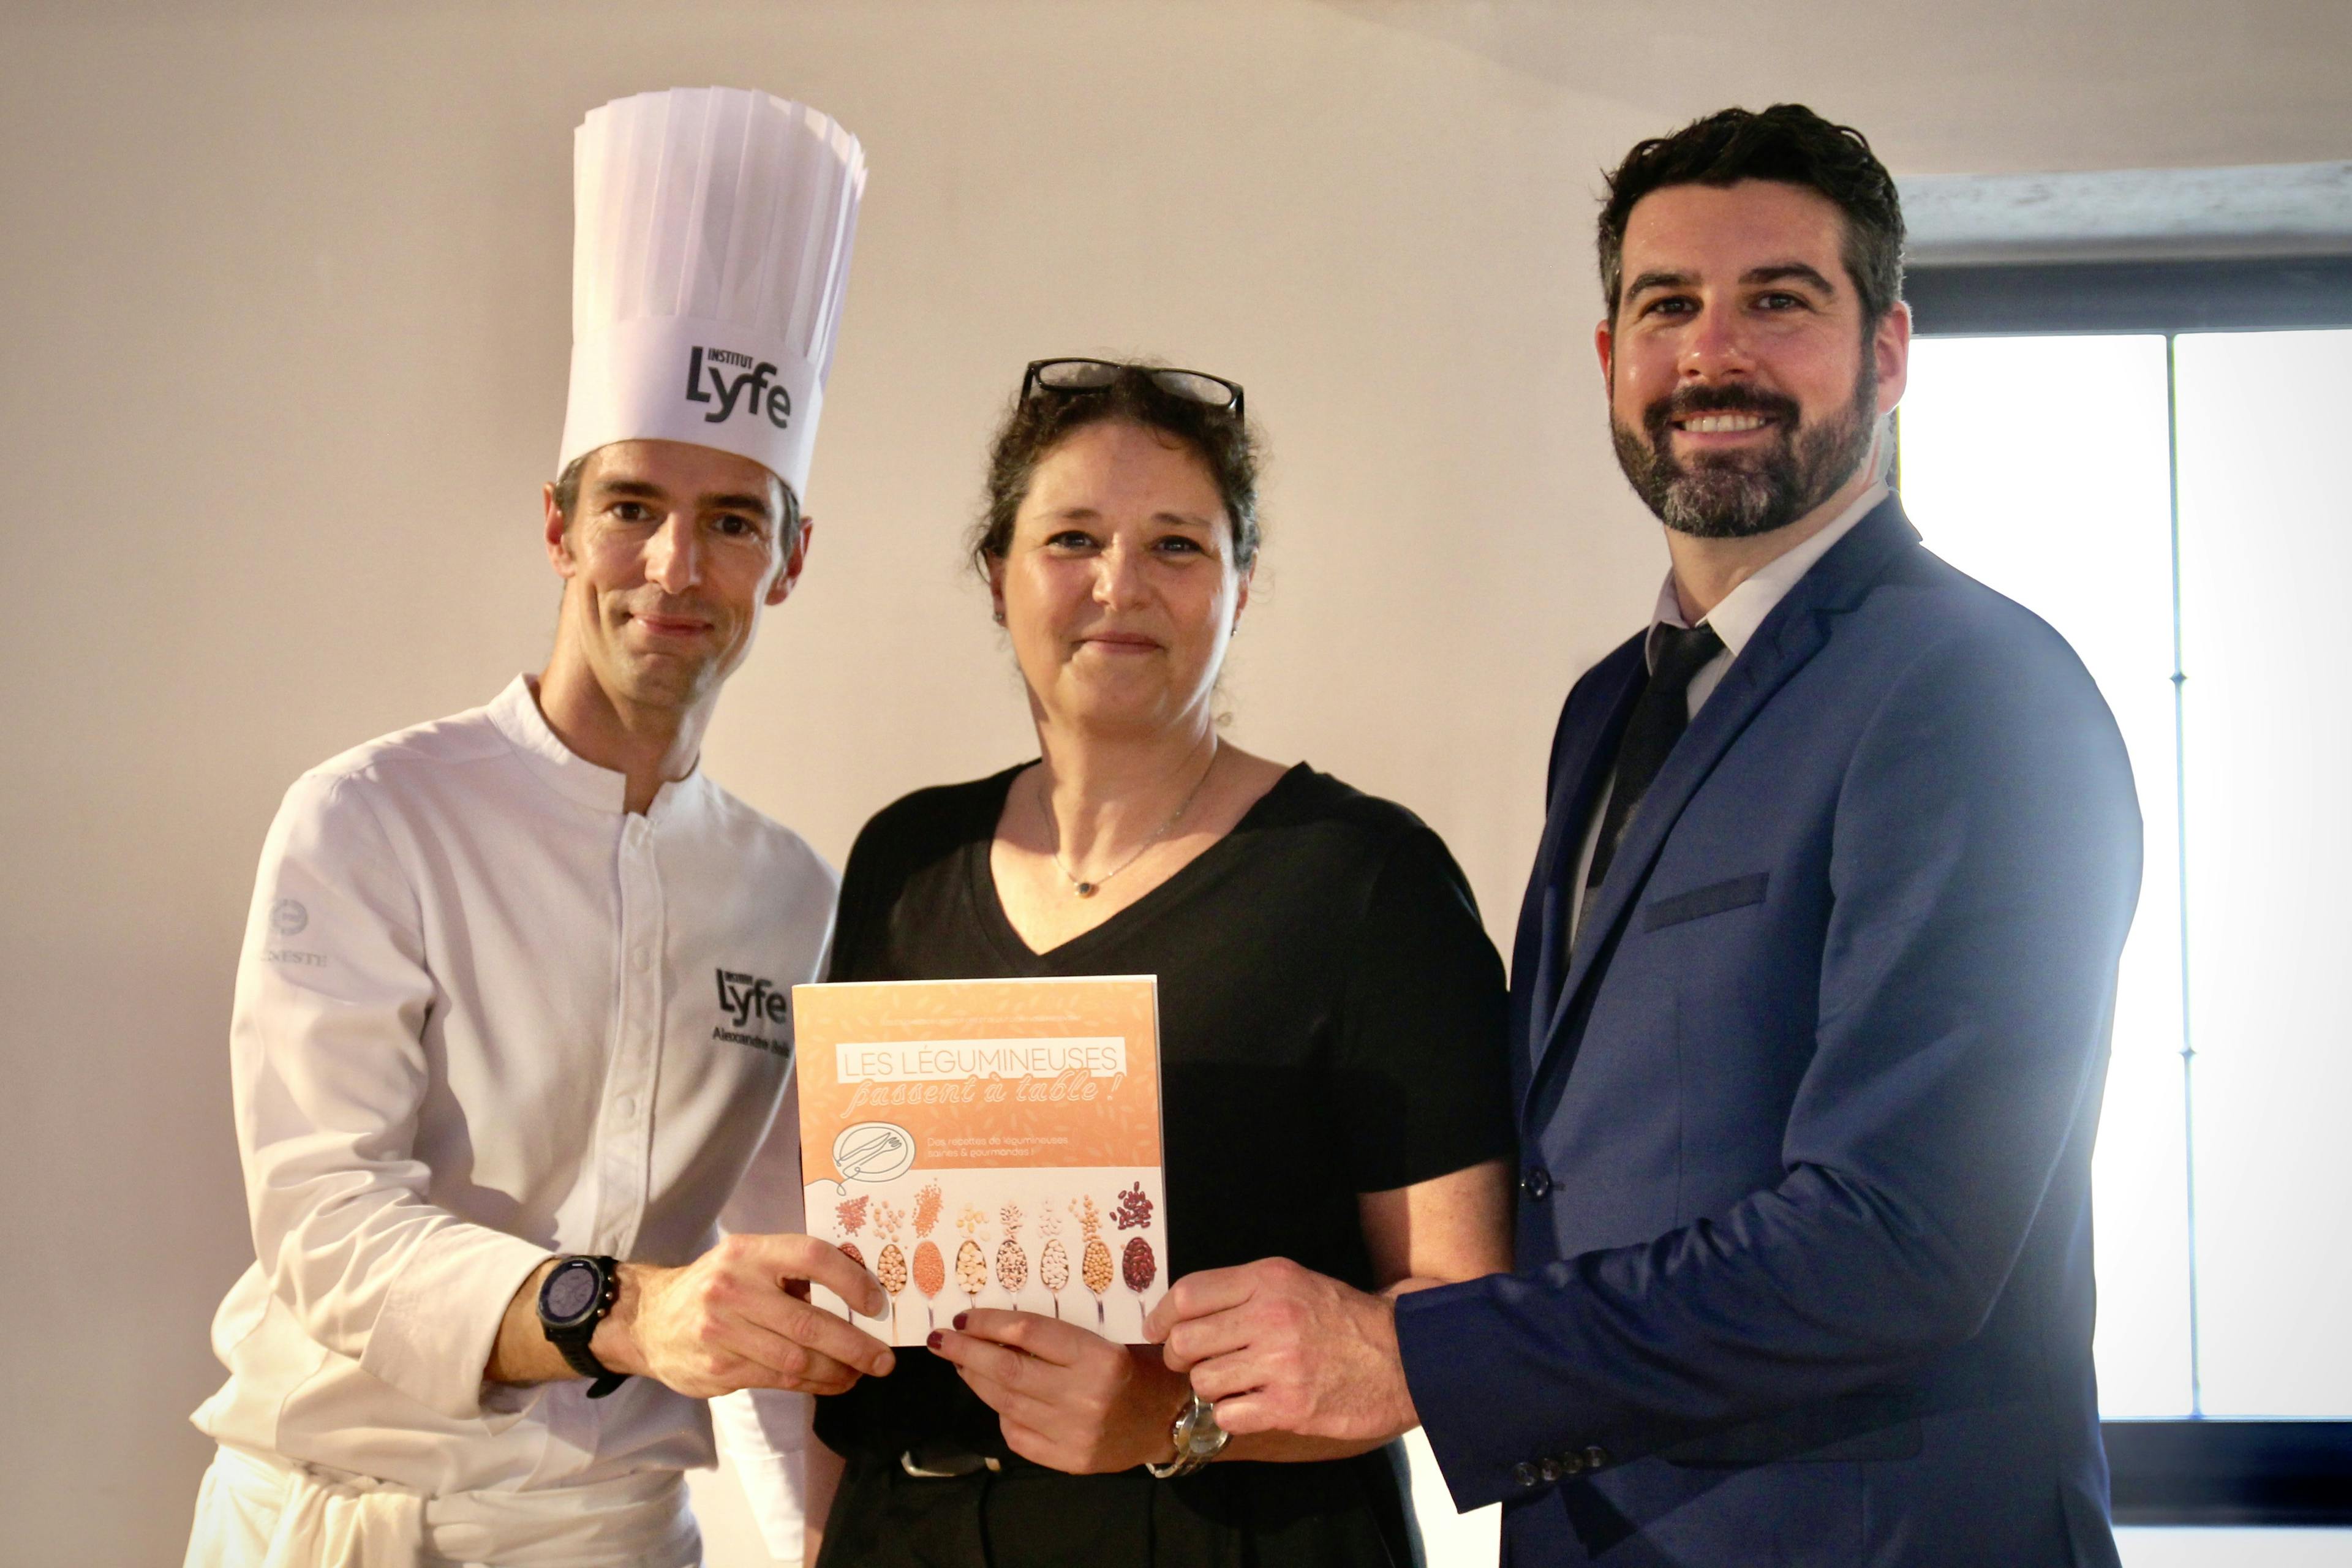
1548	1469
1536	1182
1570	1464
1524	1473
1595	1458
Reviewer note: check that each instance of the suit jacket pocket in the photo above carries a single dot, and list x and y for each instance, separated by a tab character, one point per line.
1711	899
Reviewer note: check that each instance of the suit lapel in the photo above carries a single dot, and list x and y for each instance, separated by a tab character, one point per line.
1590	726
1795	630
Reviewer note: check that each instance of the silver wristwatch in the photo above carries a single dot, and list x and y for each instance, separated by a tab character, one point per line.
1198	1439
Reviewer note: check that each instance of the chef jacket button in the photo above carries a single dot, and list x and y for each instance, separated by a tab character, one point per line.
1525	1474
627	1105
1595	1458
1536	1182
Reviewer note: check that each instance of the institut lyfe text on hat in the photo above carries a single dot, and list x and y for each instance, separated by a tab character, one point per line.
711	237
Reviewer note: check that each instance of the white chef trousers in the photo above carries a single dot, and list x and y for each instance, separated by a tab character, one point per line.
259	1511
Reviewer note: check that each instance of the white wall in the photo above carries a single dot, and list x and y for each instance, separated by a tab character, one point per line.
283	324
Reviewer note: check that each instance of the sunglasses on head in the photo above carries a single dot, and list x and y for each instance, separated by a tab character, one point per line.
1068	376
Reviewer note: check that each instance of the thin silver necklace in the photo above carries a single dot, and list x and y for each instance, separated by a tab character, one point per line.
1088	889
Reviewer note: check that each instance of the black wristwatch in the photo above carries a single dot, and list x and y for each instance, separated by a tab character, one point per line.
573	1299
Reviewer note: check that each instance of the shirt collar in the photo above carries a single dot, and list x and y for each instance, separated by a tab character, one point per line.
516	713
1743	609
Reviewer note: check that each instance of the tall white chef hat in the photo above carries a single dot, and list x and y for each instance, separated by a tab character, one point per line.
710	249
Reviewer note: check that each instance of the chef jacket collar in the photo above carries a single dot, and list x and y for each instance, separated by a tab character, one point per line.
516	713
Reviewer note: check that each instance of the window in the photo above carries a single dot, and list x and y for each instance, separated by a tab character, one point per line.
2146	457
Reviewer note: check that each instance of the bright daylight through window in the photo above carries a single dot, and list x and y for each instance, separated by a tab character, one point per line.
2170	505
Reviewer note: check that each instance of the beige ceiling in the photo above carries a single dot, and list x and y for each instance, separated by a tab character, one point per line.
1992	85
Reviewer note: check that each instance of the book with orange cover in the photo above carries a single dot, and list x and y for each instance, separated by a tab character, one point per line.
987	1143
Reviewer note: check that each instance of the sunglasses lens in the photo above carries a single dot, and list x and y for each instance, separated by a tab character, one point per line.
1093	375
1076	374
1198	388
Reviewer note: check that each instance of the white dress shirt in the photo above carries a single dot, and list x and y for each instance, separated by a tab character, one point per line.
484	1017
1735	620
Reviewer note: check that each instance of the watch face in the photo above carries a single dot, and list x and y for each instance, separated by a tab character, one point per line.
1205	1435
571	1290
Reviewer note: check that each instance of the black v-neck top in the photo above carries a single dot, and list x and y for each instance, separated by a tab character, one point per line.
1331	1018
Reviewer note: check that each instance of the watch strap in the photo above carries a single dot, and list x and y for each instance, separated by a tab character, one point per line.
603	1378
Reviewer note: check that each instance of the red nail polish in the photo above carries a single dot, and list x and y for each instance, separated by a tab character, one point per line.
960	1316
934	1341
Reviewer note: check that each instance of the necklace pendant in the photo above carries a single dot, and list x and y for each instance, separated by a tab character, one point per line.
1085	890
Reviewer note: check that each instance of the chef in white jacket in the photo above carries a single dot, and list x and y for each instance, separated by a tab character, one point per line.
512	1044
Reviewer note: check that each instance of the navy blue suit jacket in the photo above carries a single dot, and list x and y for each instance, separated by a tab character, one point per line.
1804	1230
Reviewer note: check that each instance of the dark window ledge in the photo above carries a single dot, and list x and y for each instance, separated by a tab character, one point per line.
2065	297
2230	1472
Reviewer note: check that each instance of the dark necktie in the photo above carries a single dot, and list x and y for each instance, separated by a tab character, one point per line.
1659	719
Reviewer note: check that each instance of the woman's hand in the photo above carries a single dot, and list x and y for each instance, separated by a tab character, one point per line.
1068	1398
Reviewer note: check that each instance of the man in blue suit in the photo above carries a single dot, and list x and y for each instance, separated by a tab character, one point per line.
1812	989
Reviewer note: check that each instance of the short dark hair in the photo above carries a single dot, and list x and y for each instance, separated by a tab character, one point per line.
1787	143
567	500
1036	425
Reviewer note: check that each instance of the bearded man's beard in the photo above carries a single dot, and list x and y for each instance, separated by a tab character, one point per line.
1737	495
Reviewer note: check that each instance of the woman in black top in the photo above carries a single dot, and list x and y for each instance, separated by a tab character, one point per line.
1332	1013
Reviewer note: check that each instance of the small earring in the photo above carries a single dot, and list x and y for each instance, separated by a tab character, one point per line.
1000	615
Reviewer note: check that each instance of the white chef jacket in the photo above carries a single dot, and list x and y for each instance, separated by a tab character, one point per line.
484	1016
